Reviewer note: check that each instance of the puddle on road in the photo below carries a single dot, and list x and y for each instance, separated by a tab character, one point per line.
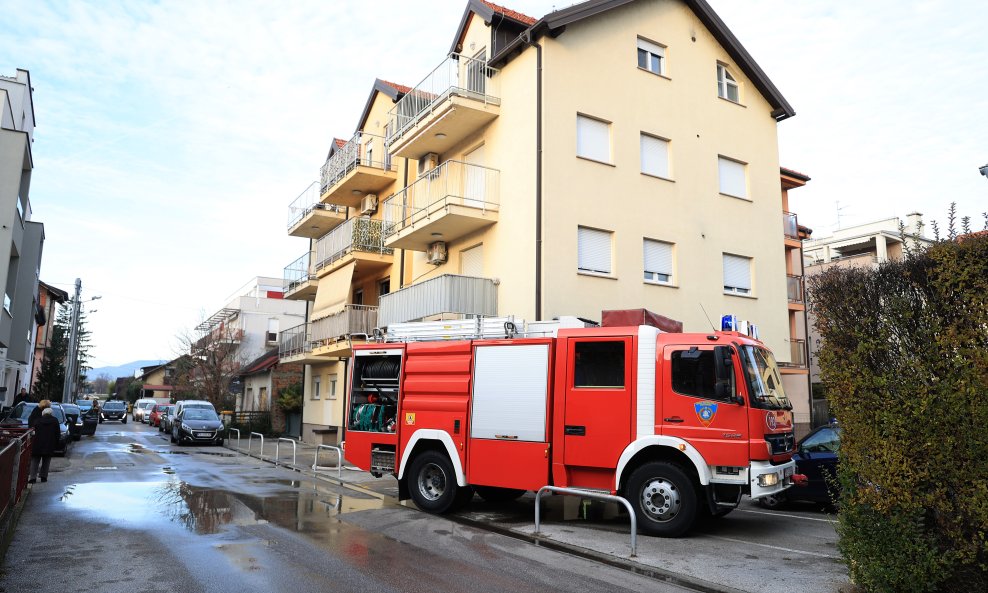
207	510
141	449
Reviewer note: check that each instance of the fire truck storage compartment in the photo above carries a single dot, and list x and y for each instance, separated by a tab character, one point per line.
508	433
374	394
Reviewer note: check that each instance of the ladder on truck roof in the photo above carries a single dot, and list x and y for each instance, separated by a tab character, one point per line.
476	328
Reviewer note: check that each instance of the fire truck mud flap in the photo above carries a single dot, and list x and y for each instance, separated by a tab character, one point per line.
767	479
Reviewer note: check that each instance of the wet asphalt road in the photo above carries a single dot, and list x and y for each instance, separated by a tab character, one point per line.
127	511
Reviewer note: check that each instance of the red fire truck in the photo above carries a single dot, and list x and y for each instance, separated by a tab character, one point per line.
680	424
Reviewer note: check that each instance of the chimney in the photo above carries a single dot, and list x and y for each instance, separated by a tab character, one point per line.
914	223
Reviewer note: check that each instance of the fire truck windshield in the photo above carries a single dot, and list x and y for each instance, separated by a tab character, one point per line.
764	380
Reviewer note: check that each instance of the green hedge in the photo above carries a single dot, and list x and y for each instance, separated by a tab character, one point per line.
904	355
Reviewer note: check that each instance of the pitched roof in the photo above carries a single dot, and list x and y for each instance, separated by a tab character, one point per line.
555	24
339	142
397	87
511	14
392	89
261	364
794	173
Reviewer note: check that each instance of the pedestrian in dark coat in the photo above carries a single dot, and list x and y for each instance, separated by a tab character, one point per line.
46	436
22	397
36	412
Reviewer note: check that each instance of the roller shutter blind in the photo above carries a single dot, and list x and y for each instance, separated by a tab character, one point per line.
737	274
593	250
593	139
655	156
658	261
732	178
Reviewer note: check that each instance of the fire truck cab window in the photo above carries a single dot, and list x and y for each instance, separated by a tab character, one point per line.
599	364
694	373
374	393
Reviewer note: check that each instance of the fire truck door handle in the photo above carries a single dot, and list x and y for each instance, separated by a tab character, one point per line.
673	419
575	431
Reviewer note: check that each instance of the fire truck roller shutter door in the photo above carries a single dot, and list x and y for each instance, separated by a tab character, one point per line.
639	445
425	434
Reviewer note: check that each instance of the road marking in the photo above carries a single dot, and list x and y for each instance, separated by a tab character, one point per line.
773	514
741	541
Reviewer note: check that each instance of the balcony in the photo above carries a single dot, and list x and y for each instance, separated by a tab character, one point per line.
455	100
797	355
794	288
217	337
358	239
295	345
447	203
310	218
362	166
790	228
300	279
332	335
444	295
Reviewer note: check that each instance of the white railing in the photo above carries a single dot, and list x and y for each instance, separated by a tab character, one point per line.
353	319
363	149
446	294
298	272
457	75
451	183
308	201
356	234
294	341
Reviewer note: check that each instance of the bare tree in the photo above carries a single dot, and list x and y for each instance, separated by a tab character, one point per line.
101	384
210	360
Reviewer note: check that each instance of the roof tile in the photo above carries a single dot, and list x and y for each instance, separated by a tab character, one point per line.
512	14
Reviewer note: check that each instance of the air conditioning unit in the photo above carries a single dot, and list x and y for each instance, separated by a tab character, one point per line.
368	205
437	253
428	162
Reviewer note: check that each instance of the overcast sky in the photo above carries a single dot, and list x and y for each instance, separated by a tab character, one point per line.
172	136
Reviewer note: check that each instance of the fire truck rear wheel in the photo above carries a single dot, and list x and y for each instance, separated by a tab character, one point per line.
432	483
664	498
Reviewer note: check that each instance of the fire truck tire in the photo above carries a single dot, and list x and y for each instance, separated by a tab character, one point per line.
432	483
664	498
495	495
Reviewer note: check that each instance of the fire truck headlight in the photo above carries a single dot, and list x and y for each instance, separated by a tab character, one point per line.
765	480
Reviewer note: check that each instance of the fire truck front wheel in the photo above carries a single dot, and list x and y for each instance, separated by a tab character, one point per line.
664	498
432	483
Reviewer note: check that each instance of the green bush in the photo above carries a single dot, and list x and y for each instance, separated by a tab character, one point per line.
904	354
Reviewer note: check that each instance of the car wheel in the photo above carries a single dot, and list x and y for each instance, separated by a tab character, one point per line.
432	483
774	501
124	421
664	498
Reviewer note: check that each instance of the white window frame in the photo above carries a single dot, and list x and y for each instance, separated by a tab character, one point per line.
650	50
655	260
727	181
733	284
333	379
593	138
316	384
726	81
590	248
664	169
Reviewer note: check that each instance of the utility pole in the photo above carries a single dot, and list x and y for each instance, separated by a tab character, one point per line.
71	370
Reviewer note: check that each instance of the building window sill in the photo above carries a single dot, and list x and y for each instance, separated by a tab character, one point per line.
740	295
653	176
596	274
656	283
742	198
593	160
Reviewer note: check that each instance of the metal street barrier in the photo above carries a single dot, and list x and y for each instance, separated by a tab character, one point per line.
250	438
236	430
339	463
277	450
590	494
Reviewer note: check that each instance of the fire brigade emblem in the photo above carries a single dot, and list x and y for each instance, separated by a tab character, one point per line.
705	411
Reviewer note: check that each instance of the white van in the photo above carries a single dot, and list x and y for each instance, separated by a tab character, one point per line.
140	408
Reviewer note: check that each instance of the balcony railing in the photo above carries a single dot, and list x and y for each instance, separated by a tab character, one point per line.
789	225
308	201
218	336
356	234
446	294
353	319
353	154
451	183
295	341
797	353
794	286
457	75
298	272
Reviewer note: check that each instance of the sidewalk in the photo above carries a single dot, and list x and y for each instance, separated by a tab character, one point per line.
717	560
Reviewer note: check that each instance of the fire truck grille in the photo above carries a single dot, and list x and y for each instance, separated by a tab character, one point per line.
382	461
781	443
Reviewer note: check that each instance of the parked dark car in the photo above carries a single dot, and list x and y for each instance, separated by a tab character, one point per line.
90	416
20	414
197	425
115	409
74	416
816	458
165	420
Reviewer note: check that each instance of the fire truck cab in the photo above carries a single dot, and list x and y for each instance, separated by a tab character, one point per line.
681	424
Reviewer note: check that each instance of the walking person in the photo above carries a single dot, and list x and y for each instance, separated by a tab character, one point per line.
22	397
37	411
46	434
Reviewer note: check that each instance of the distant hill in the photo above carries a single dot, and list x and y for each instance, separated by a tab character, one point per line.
123	370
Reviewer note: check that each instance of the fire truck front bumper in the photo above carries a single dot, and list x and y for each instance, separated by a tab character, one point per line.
768	479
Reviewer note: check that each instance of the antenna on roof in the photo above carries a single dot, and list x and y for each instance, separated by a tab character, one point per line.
712	328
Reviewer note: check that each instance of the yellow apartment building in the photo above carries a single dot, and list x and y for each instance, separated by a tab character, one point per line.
608	155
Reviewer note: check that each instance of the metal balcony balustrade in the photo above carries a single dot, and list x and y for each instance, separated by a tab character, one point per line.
797	353
308	201
456	76
295	341
218	336
352	320
298	272
451	183
356	234
794	288
443	295
352	155
789	225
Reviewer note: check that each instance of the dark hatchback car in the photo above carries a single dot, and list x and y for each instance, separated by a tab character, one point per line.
74	416
20	414
90	417
115	409
197	425
816	458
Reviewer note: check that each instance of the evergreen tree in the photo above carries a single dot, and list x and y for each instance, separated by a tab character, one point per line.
51	378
